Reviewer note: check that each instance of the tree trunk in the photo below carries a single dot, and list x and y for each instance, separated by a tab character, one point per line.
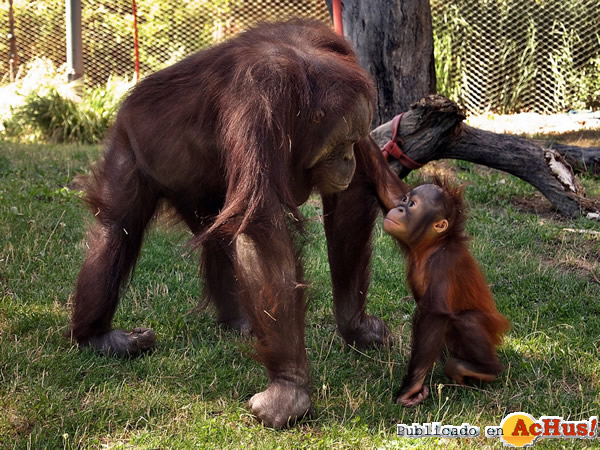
432	129
393	40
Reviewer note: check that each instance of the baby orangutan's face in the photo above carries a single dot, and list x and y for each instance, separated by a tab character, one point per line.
418	216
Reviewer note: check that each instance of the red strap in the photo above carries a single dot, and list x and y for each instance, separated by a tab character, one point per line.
391	148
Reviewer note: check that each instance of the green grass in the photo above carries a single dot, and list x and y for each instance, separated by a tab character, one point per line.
193	390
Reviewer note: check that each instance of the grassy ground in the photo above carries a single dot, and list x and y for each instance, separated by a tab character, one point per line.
192	391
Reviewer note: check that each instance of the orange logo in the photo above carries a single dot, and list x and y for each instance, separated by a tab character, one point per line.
522	430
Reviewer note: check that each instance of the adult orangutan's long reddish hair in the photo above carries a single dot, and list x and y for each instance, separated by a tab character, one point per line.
234	138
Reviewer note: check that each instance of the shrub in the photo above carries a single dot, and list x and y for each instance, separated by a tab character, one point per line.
50	114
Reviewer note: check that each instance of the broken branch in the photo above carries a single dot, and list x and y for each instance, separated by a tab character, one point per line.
433	129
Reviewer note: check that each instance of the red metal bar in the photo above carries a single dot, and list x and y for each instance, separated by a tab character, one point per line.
135	43
337	16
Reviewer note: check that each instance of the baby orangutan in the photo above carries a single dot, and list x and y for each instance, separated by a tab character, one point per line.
455	308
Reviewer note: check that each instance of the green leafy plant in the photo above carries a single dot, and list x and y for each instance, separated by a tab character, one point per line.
51	116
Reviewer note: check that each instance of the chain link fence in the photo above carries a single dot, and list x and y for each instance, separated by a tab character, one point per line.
491	55
518	55
168	30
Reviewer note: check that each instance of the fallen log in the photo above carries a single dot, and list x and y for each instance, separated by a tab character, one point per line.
433	129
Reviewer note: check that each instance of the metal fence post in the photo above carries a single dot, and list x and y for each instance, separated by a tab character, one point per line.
74	46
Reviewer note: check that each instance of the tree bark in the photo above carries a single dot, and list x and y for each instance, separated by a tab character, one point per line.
432	129
581	159
393	40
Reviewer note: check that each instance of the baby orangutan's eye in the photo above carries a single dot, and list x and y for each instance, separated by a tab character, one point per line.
411	204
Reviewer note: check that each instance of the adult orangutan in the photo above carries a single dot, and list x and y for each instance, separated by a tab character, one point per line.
455	308
234	138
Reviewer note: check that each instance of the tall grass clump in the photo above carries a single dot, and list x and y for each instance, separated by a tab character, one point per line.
43	107
53	117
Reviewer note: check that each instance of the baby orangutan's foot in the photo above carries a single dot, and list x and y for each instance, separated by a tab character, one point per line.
457	369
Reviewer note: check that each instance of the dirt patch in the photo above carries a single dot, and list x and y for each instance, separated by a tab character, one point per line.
579	138
537	204
533	124
577	253
437	168
579	266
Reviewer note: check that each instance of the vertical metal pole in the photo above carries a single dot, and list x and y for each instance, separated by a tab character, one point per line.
74	46
337	17
135	43
13	56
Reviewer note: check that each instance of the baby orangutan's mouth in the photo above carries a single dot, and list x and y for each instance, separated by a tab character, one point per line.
391	220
